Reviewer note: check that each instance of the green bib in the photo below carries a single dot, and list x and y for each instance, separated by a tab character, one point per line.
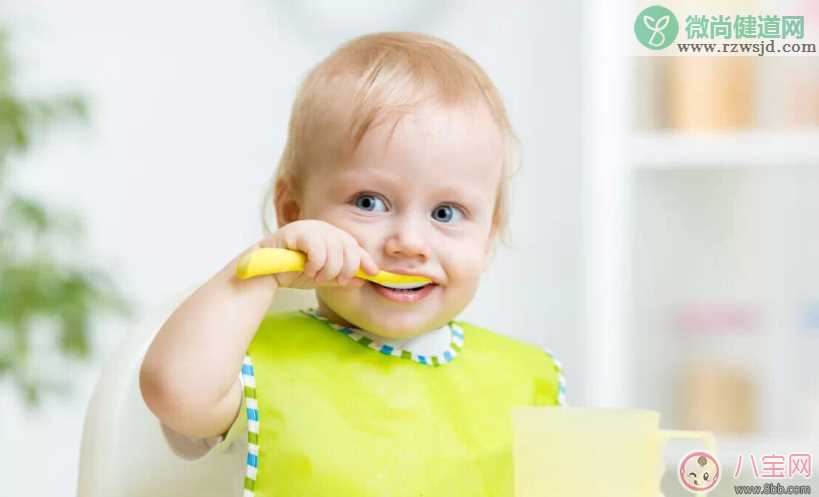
333	414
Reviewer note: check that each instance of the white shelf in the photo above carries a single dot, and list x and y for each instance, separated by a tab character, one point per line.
723	150
740	235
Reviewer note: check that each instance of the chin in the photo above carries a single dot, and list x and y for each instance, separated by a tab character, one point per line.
386	319
383	322
399	325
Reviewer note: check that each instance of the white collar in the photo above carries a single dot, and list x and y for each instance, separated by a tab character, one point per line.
428	344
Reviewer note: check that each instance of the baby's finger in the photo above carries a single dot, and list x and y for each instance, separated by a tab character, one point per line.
275	240
316	251
332	265
352	258
368	264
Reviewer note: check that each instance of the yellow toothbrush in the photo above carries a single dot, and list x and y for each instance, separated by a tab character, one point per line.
278	260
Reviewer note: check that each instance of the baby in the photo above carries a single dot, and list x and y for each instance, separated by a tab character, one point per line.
398	156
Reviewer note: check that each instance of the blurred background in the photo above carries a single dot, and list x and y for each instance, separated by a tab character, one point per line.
664	220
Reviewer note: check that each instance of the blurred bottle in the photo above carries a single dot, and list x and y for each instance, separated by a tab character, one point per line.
790	94
717	398
801	92
707	93
790	98
806	376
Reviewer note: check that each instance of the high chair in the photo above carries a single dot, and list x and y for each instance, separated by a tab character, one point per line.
124	453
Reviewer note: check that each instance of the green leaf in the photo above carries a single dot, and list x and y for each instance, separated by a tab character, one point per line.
25	212
35	283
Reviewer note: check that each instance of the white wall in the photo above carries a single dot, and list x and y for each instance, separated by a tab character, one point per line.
190	103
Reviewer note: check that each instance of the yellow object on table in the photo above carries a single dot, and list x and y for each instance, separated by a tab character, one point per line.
577	452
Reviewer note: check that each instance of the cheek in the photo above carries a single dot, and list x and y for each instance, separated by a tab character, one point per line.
463	265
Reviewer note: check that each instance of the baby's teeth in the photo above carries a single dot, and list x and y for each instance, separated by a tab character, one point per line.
404	286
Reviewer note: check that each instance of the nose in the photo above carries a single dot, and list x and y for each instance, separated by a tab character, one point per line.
407	240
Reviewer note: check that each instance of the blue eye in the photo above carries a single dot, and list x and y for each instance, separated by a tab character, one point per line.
445	213
370	202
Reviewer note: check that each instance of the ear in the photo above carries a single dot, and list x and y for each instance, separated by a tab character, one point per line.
285	202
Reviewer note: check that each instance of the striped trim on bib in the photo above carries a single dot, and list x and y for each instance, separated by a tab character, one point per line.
456	342
249	391
561	394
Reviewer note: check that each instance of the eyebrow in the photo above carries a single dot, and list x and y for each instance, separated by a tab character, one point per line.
469	195
357	174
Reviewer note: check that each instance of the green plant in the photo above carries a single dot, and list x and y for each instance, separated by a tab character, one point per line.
43	284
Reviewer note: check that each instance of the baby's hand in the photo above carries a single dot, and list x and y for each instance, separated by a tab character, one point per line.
333	255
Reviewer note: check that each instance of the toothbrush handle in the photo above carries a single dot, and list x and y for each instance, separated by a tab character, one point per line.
269	261
263	261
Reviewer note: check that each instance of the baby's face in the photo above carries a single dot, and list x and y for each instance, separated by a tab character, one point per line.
420	204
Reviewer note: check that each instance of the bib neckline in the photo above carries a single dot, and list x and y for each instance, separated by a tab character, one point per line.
456	342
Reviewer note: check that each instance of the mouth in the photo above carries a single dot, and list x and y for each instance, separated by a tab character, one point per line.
404	286
404	292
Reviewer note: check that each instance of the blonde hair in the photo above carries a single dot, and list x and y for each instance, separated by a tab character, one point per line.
388	74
